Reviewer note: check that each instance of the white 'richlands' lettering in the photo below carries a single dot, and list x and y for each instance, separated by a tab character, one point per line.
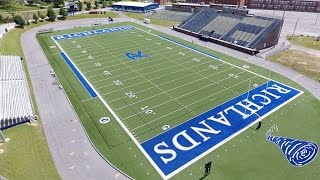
249	106
221	120
87	33
208	129
183	134
264	99
279	89
165	151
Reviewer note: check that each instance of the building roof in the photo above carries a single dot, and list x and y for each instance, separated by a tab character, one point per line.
134	4
191	4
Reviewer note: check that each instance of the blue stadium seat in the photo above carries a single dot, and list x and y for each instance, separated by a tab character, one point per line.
199	20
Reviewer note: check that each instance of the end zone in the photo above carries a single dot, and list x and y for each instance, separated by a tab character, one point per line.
181	146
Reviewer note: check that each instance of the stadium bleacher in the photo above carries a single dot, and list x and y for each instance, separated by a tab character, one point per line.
250	32
216	30
15	101
199	20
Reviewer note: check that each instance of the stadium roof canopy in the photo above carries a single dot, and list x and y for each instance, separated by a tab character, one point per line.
133	4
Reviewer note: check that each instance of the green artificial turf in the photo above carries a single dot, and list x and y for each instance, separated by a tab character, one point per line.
169	87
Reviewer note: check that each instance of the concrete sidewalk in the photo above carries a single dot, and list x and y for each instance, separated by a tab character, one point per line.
71	150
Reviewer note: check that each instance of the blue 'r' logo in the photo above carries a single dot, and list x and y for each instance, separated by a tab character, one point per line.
134	57
299	153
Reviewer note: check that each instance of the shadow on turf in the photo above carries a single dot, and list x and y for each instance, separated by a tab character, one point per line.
204	176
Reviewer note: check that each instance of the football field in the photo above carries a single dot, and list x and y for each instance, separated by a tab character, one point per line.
169	98
167	86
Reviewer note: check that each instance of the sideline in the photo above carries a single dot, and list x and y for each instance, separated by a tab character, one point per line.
73	153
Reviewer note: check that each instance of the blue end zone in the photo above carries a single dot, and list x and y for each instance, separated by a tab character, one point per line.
79	76
198	136
215	57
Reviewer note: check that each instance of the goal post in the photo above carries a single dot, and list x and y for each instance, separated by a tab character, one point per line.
3	138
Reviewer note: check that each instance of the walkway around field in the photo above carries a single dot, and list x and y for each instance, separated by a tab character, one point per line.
73	154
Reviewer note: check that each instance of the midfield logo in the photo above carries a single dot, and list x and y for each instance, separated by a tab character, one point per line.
134	57
183	145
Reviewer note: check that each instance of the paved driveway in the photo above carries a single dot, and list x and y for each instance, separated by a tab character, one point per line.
73	154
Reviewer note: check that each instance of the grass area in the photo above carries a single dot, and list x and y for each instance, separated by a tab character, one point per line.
83	16
29	14
23	8
303	62
263	159
26	155
305	41
160	22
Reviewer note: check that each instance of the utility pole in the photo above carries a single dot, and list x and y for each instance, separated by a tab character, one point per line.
295	28
317	18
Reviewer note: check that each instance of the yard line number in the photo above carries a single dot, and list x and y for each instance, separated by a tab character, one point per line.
107	73
234	76
196	59
147	110
117	83
213	67
130	94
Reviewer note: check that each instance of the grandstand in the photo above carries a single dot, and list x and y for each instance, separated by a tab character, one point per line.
15	101
244	33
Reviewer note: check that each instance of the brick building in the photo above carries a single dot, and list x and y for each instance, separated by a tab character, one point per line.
229	2
162	2
290	5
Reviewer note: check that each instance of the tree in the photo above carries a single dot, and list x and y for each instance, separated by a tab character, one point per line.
63	12
19	20
57	3
51	14
104	4
35	18
12	6
88	5
80	5
96	4
1	18
109	2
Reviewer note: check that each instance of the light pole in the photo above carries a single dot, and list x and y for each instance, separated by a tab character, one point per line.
317	18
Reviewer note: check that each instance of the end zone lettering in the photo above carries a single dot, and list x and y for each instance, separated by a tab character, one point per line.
88	33
173	150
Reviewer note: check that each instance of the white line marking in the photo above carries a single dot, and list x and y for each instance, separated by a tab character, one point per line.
118	120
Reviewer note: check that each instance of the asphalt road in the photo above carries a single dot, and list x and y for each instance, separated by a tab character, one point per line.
73	154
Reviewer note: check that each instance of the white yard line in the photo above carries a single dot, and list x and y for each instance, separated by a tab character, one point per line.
187	105
149	72
173	99
148	80
165	83
158	77
119	121
205	54
177	87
